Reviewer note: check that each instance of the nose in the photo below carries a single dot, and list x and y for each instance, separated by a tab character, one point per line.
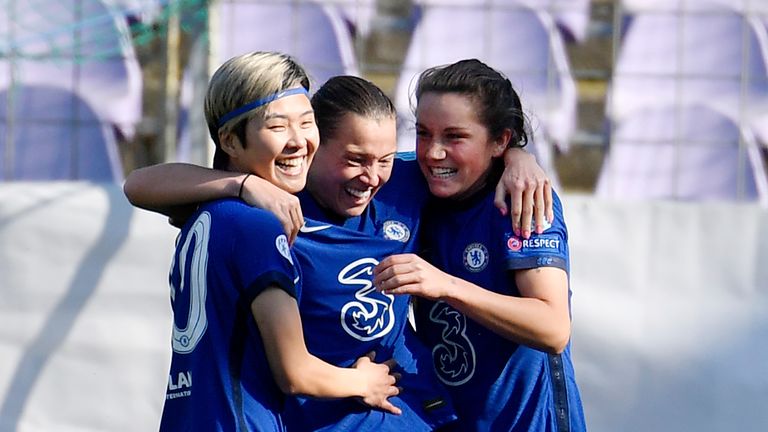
371	175
298	138
435	150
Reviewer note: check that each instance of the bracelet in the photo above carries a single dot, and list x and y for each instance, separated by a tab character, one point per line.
242	183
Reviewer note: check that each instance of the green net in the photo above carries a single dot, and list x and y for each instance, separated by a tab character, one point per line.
91	30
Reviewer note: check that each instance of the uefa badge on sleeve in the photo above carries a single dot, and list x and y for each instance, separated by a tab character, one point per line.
281	243
475	257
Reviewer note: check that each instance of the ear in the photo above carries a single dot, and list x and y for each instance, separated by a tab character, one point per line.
501	143
230	144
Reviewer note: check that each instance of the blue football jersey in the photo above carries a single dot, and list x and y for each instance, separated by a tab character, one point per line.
496	384
219	380
395	211
344	317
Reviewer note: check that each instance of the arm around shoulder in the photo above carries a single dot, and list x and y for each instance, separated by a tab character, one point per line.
174	187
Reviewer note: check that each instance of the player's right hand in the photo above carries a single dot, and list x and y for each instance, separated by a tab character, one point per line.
260	193
382	383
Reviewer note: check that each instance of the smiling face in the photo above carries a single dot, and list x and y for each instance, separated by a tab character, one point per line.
280	146
354	164
453	147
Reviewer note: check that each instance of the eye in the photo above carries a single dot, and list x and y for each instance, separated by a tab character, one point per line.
355	161
276	127
386	162
307	123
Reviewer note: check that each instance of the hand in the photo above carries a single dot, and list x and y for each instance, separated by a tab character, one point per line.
530	190
381	383
410	274
260	193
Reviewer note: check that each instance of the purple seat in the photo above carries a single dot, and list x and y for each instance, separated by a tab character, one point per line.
78	46
521	42
315	34
684	152
700	51
312	32
53	134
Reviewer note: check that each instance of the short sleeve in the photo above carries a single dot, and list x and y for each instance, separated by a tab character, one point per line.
260	255
548	249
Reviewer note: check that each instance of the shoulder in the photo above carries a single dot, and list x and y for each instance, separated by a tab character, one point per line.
238	216
406	177
406	164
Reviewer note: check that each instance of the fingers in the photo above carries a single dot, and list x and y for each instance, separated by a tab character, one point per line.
538	209
290	216
391	364
389	407
548	202
499	198
526	218
297	220
394	282
396	376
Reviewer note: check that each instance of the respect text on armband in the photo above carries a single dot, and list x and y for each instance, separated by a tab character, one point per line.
516	244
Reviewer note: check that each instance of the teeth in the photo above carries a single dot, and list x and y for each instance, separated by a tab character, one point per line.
291	166
292	163
360	194
442	172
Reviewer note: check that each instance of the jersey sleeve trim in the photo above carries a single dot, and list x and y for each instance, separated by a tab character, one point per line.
536	262
267	280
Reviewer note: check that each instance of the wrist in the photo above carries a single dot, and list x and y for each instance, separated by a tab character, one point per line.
450	289
241	186
513	153
359	387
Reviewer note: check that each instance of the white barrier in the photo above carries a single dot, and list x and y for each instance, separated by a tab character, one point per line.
670	312
84	309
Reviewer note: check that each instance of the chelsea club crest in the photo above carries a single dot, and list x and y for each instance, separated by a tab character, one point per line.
396	230
475	257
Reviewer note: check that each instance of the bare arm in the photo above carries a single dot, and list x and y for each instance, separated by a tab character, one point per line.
539	318
171	189
530	189
299	372
174	189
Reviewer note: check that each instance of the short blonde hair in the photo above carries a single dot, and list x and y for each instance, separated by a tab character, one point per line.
244	79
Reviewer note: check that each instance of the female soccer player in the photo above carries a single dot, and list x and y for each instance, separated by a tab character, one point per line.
353	224
493	307
237	339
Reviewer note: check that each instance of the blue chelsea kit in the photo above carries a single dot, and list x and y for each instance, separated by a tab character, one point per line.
219	379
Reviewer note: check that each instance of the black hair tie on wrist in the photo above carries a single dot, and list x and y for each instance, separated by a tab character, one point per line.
242	183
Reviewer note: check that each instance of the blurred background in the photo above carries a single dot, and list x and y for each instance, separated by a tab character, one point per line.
645	98
651	117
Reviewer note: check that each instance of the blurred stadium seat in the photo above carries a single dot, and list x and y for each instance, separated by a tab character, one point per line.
79	45
685	152
56	135
358	14
144	11
515	39
708	54
314	33
571	16
715	56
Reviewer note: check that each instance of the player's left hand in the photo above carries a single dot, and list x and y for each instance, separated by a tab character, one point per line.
410	274
530	191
